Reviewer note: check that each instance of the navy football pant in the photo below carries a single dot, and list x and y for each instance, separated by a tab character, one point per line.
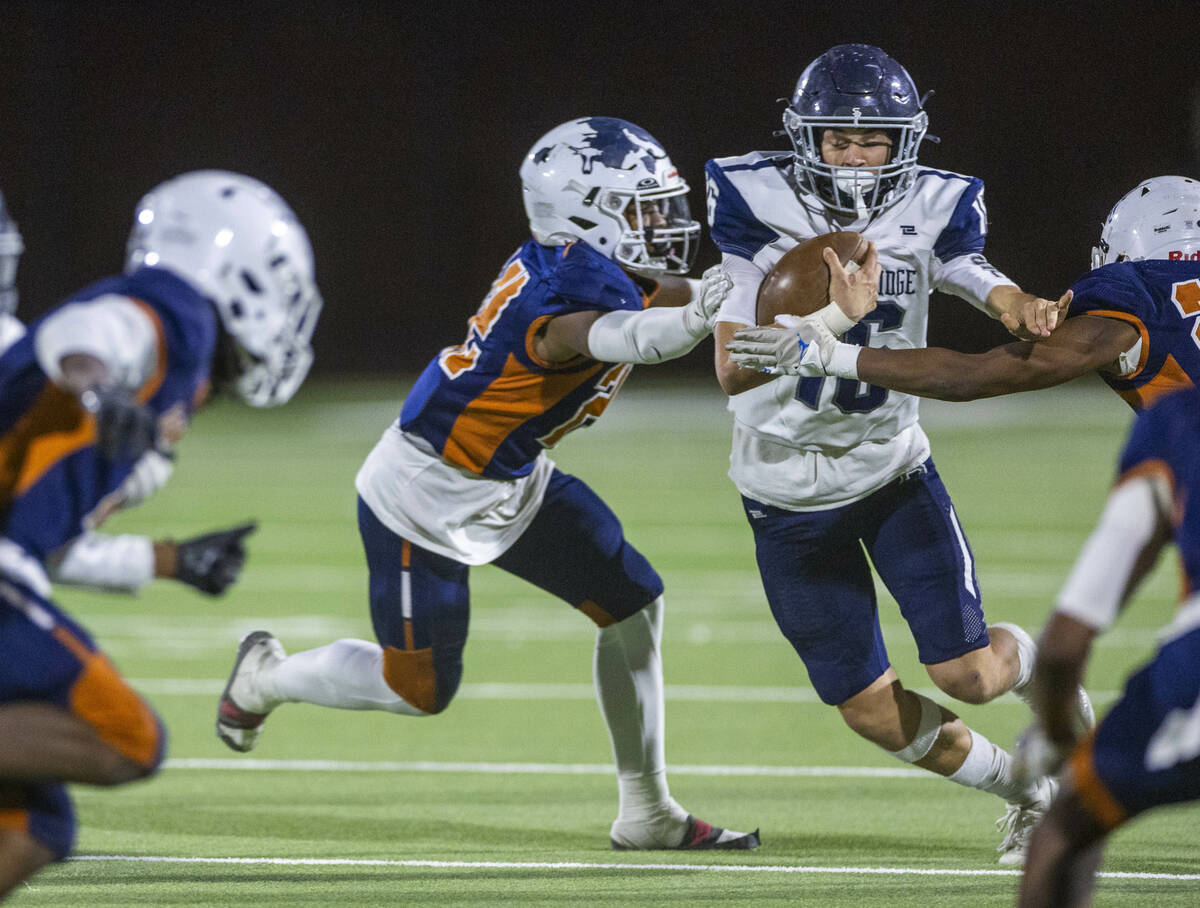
574	549
45	657
815	572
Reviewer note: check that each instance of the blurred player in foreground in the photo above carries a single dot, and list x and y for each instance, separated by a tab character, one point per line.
126	562
462	478
830	469
219	288
1133	319
1146	751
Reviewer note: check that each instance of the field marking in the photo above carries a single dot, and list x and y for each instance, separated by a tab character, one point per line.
587	865
561	769
501	690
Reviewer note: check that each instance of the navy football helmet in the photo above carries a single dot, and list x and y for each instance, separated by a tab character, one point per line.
11	248
855	86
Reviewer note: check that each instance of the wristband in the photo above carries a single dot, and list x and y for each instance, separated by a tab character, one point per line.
843	362
835	319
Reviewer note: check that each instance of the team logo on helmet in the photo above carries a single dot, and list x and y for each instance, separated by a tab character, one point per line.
617	144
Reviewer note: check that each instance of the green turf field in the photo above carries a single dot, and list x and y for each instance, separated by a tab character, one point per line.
507	797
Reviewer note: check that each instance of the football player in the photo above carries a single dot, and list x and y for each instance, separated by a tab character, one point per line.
833	473
1133	318
126	562
218	287
462	478
1146	751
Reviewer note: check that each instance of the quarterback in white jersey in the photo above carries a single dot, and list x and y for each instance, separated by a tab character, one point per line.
833	471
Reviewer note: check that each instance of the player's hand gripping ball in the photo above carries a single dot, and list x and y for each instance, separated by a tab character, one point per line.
799	282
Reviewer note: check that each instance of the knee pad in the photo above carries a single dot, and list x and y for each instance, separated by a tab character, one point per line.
927	731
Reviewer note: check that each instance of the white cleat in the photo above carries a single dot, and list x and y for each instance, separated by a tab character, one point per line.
1019	821
242	708
674	829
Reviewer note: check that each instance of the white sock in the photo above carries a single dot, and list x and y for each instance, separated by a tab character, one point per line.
346	674
627	671
989	768
1026	657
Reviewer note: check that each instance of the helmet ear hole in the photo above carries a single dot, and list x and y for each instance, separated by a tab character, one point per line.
251	284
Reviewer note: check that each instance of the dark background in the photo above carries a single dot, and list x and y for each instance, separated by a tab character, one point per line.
395	130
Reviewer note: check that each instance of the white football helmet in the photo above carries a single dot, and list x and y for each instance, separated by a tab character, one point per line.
581	178
1157	219
239	244
11	248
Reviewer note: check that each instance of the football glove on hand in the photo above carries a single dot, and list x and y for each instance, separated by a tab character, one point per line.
701	310
1035	755
148	475
211	563
125	429
792	346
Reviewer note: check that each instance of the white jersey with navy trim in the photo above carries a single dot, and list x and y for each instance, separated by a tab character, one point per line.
810	444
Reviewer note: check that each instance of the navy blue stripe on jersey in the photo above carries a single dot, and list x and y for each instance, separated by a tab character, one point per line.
966	231
732	224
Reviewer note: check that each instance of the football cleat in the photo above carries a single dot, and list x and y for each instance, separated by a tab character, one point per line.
698	836
1019	821
242	709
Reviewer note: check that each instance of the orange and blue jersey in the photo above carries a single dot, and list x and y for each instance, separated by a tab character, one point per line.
1161	299
490	405
1145	752
51	475
1165	439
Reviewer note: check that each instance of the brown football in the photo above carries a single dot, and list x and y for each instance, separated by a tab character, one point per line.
799	282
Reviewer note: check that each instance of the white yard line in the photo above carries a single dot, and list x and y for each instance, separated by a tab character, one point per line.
587	865
562	769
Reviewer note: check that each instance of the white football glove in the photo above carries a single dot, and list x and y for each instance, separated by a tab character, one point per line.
1035	755
708	294
792	346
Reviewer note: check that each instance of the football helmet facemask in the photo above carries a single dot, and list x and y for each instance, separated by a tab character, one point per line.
239	244
1157	219
855	86
581	179
11	248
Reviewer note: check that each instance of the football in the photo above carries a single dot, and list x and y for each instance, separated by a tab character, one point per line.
799	282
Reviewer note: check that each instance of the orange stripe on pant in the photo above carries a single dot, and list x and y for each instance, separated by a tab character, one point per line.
102	699
1092	792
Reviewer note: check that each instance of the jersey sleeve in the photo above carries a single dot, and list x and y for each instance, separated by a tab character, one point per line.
731	223
966	231
591	282
1112	287
959	266
111	328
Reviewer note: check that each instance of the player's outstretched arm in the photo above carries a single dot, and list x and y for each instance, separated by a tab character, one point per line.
1026	316
1081	345
645	337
